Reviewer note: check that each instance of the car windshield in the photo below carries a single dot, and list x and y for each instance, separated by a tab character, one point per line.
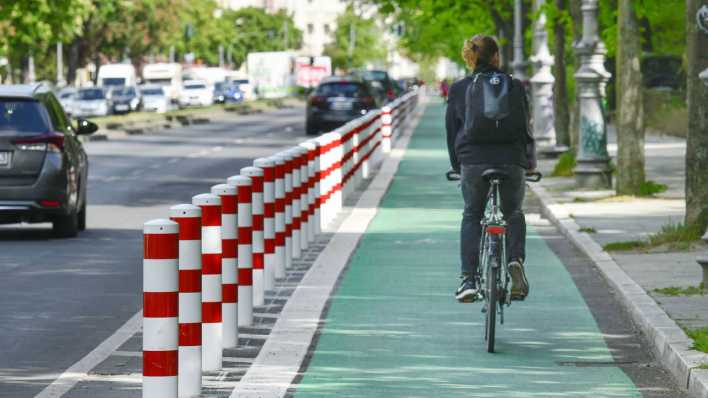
113	81
195	86
350	90
161	82
153	91
91	94
374	75
219	86
23	117
126	91
243	81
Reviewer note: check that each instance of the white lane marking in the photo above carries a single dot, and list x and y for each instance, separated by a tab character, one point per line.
79	370
173	161
217	149
128	353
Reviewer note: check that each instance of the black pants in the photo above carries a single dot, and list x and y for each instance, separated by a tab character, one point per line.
474	192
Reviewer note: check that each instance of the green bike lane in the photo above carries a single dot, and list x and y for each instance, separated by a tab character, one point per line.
393	328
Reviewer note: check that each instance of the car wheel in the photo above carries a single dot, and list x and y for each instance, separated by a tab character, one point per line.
66	226
310	128
81	217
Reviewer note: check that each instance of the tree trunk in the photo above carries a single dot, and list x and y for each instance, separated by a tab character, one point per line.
697	141
630	108
560	91
577	16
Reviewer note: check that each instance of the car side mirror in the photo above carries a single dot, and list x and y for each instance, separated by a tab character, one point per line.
85	127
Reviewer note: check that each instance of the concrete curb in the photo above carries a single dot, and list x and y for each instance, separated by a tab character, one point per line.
668	341
281	357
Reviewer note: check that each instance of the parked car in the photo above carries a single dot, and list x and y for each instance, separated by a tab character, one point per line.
337	100
43	166
385	88
245	87
227	92
155	99
125	99
196	93
67	97
91	102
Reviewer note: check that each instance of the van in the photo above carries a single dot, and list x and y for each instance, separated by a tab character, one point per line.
166	75
112	75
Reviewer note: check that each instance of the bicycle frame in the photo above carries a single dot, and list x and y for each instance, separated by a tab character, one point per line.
493	234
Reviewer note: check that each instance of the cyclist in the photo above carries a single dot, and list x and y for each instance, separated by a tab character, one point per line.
481	54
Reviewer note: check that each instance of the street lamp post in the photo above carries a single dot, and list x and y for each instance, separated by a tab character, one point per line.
518	65
593	162
542	89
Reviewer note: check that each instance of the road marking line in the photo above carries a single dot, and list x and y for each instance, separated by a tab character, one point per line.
79	370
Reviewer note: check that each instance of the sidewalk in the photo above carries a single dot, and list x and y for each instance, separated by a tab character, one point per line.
619	219
394	329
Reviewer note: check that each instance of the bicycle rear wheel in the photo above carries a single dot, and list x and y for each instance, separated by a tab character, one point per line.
491	319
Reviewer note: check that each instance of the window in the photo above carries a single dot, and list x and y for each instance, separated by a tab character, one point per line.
23	117
326	28
310	28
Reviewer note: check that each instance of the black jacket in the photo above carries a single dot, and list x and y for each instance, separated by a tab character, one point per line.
461	151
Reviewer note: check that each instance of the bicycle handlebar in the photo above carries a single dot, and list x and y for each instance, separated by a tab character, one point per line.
536	176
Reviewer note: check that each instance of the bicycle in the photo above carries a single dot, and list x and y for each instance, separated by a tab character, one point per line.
495	280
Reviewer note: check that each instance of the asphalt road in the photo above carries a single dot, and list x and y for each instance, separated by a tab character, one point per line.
61	298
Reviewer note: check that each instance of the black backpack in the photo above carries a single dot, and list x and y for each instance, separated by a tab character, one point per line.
494	110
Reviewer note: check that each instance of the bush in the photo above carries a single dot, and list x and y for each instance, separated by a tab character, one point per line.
565	165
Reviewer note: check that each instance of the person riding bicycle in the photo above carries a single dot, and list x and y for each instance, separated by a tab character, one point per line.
470	158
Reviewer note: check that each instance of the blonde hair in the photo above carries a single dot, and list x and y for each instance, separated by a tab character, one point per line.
480	50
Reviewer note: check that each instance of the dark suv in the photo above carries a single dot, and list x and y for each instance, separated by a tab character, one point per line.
336	101
43	166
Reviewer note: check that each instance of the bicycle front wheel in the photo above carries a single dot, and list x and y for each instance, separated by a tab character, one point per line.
491	320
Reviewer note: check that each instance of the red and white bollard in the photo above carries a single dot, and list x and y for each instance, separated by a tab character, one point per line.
245	253
316	180
212	329
288	182
189	377
229	274
304	219
325	156
279	216
295	202
160	309
257	245
386	129
336	189
310	149
268	167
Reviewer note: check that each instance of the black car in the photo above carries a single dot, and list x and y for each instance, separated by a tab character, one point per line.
125	99
336	101
43	166
385	89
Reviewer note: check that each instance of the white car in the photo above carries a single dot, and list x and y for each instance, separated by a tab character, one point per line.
155	99
91	102
67	97
196	93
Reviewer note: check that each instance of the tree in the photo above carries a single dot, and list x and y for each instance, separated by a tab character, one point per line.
560	18
366	47
30	27
697	141
630	103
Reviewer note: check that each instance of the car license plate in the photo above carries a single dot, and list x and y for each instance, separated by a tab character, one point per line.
122	107
4	159
341	105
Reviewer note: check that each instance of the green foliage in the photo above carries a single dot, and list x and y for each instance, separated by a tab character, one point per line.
367	44
240	32
565	165
587	230
675	236
683	291
700	338
651	188
625	245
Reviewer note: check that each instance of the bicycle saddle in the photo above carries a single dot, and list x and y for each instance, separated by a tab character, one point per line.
495	174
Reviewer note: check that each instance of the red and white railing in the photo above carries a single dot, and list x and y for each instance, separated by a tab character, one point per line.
212	264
